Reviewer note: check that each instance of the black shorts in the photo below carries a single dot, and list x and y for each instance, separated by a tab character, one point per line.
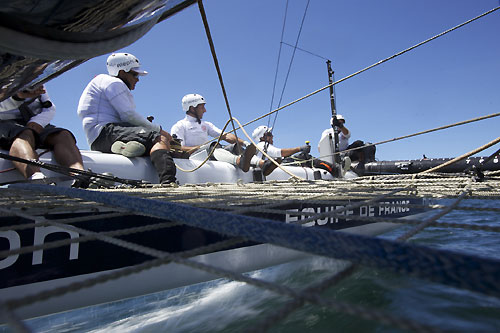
10	129
124	132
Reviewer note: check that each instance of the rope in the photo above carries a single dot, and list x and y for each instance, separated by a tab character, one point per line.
265	153
219	138
447	267
291	61
459	158
162	259
429	221
405	137
303	50
277	63
275	190
216	62
250	139
70	172
294	304
309	295
370	67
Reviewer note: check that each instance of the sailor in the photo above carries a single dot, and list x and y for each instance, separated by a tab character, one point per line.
264	136
25	126
344	133
194	132
111	123
362	155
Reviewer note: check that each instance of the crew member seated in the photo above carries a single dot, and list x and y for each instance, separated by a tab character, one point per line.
357	151
193	133
25	126
264	136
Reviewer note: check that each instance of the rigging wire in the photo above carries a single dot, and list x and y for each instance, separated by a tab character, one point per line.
298	48
291	60
277	63
372	66
217	67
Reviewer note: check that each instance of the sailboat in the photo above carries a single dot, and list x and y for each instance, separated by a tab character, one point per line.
44	270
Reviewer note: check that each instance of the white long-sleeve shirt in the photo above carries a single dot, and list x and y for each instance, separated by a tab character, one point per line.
343	139
107	99
193	134
9	109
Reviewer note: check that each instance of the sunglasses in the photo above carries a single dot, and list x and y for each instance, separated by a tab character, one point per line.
134	74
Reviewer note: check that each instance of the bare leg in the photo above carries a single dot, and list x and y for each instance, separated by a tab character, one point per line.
163	142
162	160
23	147
65	150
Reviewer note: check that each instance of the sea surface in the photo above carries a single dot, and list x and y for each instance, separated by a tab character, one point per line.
228	306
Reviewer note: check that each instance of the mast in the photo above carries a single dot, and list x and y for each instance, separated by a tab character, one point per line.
335	147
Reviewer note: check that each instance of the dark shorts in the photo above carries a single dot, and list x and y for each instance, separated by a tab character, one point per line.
124	132
10	129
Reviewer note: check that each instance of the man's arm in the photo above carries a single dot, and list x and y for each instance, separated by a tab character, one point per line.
47	113
285	152
178	131
10	104
275	152
123	102
344	130
231	138
34	126
18	98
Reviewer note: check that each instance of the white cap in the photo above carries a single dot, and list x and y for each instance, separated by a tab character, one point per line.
125	62
339	117
192	100
260	131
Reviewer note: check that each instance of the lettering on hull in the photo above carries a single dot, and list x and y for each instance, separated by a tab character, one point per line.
385	209
14	242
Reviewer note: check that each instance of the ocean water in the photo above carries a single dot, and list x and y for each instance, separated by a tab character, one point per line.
228	306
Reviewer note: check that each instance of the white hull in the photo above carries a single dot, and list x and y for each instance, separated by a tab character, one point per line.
242	259
140	168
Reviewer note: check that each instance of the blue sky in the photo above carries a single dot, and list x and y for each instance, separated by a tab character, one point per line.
451	79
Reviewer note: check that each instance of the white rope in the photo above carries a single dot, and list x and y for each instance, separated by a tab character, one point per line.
250	139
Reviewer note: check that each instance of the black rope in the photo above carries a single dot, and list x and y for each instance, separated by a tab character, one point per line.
217	67
71	172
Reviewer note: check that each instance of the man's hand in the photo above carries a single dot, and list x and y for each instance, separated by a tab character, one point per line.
34	126
305	149
23	94
166	134
336	122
